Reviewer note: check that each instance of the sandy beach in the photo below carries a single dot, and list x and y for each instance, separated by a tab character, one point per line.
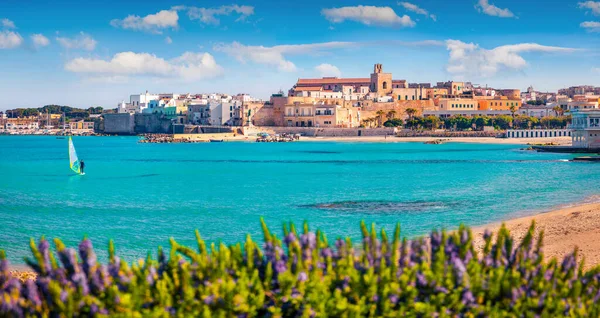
564	229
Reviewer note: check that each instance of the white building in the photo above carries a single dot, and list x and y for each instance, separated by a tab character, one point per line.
585	129
538	111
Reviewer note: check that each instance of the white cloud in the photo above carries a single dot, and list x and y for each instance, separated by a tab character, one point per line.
152	23
470	59
168	40
10	40
593	6
187	67
7	24
39	40
82	41
591	26
368	15
210	15
596	70
416	9
328	70
275	55
485	7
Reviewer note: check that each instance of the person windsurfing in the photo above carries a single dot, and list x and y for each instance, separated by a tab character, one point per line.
81	167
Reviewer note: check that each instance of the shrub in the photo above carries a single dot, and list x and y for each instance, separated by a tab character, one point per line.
393	122
303	275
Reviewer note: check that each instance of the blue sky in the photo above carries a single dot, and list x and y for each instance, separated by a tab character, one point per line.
83	53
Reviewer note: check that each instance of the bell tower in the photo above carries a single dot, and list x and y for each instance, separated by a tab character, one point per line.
381	83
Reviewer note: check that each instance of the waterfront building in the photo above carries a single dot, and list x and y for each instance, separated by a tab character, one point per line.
81	125
455	88
457	104
21	123
378	84
585	127
538	111
579	90
320	115
466	113
501	103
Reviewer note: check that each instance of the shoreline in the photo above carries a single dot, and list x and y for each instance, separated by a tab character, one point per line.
565	227
558	141
472	140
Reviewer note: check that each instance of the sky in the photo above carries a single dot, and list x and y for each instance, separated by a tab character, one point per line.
97	53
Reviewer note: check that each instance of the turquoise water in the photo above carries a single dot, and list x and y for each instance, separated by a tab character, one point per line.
142	194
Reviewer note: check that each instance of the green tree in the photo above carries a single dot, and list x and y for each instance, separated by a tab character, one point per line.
431	122
410	112
394	122
503	122
380	113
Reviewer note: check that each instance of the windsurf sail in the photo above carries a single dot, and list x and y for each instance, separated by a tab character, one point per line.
73	160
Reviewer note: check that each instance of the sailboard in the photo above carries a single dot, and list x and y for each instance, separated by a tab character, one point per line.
73	160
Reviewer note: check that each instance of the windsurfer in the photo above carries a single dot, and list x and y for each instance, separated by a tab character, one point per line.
81	167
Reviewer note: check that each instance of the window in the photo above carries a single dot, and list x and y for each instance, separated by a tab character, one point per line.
385	85
405	97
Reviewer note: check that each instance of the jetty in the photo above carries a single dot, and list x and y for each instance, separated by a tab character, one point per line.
587	158
264	137
564	149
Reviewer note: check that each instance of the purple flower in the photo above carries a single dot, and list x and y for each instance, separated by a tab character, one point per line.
44	248
467	297
421	280
459	268
80	281
31	293
326	252
290	238
88	257
308	240
302	277
209	300
394	299
63	296
151	275
280	267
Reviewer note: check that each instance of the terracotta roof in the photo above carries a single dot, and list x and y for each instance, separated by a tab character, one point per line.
310	88
332	81
398	81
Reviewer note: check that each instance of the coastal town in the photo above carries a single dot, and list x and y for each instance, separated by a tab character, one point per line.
378	105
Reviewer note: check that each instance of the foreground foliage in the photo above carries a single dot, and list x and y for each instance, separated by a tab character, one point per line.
303	275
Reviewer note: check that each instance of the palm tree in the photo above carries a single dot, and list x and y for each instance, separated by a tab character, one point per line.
513	110
410	112
391	114
380	113
558	110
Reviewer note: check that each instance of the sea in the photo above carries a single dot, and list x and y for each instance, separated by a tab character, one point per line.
140	194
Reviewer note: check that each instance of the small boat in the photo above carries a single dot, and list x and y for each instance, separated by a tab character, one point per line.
216	140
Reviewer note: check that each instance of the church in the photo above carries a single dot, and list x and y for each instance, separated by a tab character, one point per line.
378	85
